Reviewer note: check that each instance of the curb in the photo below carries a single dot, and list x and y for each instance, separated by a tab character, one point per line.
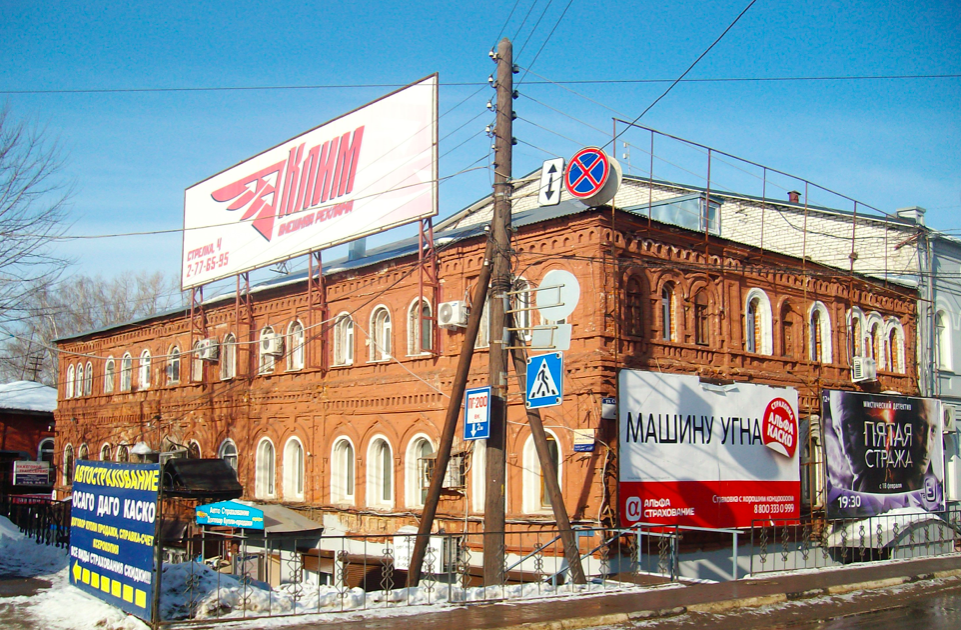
578	623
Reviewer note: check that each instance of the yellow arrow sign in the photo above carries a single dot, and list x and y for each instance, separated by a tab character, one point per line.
76	571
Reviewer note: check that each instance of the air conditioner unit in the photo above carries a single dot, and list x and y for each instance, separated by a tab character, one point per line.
166	456
863	369
272	343
208	349
452	314
950	426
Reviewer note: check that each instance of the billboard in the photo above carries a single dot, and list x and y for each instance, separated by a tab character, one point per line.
883	452
230	514
112	523
697	454
27	473
362	173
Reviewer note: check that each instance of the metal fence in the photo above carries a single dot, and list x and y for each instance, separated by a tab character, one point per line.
44	520
786	545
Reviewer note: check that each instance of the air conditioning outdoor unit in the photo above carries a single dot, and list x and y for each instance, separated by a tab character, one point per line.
452	314
208	349
950	426
863	369
272	343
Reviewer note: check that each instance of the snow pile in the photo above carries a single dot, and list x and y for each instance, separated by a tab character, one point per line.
23	557
193	590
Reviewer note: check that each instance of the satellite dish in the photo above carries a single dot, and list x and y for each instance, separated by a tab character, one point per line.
558	294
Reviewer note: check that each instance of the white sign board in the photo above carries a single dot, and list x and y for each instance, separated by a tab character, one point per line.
549	192
365	172
704	455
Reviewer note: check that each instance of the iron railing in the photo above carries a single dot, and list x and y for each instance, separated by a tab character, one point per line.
44	520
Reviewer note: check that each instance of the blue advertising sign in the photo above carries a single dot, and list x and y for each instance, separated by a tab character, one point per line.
545	380
477	413
230	514
112	533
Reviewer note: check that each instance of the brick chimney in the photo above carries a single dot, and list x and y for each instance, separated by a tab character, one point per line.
794	196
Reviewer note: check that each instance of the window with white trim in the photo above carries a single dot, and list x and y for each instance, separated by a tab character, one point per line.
484	331
143	374
342	472
265	469
68	463
819	334
69	382
420	329
88	379
105	453
521	304
417	479
894	346
109	370
758	336
857	328
380	473
126	372
380	334
173	365
536	497
668	309
294	470
78	381
196	363
344	340
267	359
45	450
228	453
295	346
942	341
228	357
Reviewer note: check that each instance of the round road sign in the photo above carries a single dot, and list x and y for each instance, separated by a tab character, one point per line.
587	172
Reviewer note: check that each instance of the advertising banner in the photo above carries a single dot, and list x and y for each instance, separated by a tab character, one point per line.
112	533
362	173
31	473
230	514
696	454
883	452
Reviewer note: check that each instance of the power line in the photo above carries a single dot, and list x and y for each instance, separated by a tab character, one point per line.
346	86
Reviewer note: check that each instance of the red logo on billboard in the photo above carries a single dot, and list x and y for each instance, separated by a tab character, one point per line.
779	427
295	184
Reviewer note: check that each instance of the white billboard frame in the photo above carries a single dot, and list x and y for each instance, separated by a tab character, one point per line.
365	172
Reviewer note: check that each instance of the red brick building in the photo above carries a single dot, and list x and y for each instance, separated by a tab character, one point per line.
26	426
331	397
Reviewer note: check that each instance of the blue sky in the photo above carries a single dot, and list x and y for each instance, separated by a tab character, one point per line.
886	143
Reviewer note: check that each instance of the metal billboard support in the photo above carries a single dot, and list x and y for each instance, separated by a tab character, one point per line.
317	310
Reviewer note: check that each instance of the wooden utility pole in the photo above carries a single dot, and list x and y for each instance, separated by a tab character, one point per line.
494	508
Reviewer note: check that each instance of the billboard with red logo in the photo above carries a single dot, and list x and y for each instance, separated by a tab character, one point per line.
697	454
365	172
883	452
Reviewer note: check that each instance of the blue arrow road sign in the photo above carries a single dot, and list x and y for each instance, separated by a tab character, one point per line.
477	413
545	380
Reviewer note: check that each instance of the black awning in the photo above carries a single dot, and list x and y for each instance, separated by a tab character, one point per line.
201	479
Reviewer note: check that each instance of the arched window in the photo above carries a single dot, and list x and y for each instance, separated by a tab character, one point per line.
820	334
380	334
294	470
196	363
295	346
123	454
342	472
193	449
84	453
173	365
105	453
143	377
264	485
126	372
942	340
484	331
702	330
88	379
417	470
420	329
228	357
380	473
68	465
344	340
856	321
874	341
108	375
69	383
268	350
228	453
536	497
45	450
790	331
634	308
757	323
668	323
78	385
521	304
894	345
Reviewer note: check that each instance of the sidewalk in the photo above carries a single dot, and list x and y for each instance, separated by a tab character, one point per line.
573	613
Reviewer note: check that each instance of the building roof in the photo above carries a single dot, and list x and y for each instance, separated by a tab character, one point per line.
27	396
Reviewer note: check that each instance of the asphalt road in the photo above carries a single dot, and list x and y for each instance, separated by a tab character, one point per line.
925	605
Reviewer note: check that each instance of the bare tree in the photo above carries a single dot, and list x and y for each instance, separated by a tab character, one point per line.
33	198
76	305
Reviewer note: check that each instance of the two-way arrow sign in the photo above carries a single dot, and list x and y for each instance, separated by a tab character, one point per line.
549	193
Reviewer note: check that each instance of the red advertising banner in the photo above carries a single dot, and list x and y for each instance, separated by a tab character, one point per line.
704	455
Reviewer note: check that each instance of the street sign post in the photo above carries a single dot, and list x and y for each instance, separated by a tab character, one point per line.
545	380
477	413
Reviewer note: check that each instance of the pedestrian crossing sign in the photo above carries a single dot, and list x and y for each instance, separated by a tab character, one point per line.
545	380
